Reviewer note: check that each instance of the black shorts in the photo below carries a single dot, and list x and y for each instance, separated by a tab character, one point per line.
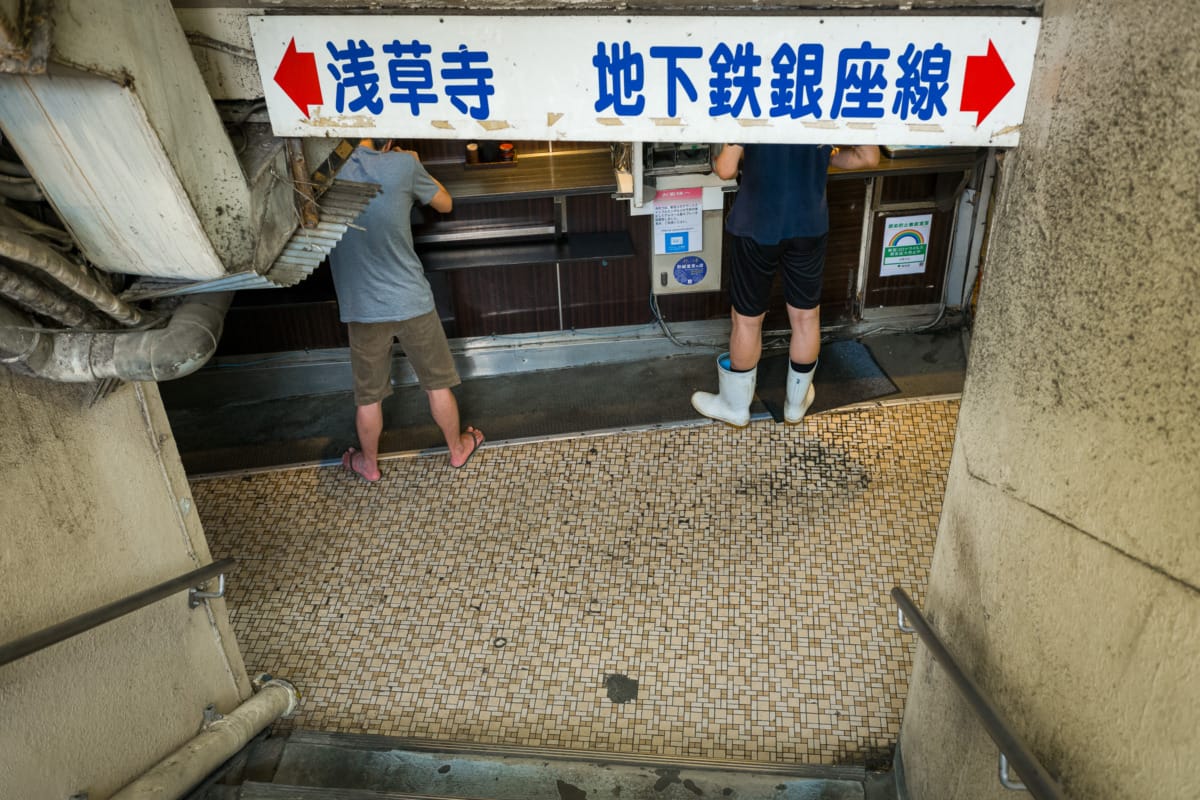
755	265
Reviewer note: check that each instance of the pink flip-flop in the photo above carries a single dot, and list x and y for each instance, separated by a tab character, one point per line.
348	465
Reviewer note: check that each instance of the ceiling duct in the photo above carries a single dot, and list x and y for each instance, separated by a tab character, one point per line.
127	146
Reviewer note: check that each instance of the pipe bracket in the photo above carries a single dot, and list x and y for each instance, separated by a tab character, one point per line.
1008	782
197	595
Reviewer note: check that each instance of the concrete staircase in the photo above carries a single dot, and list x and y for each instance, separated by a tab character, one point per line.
309	765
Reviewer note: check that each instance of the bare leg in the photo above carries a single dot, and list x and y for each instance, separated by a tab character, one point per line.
368	420
745	341
444	408
806	334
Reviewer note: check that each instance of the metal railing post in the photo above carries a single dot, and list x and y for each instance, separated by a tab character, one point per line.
84	622
1034	777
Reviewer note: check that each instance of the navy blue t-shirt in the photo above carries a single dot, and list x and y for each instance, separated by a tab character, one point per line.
782	193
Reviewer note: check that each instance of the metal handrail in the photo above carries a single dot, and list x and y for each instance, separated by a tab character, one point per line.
1034	776
84	622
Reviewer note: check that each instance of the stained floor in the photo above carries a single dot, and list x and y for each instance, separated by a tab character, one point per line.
693	592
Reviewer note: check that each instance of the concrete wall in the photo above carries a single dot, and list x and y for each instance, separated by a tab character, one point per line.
94	506
1067	569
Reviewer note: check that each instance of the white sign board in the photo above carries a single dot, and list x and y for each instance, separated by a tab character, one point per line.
905	245
678	218
845	80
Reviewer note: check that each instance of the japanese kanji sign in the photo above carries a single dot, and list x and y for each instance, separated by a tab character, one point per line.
883	80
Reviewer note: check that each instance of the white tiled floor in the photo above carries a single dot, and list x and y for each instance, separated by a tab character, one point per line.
741	577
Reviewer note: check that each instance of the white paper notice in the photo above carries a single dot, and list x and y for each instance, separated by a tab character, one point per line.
905	245
678	218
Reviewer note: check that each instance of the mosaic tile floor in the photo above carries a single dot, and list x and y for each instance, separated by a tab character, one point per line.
701	592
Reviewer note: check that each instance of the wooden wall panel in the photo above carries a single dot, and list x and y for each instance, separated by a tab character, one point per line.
500	300
908	188
301	317
539	210
525	299
282	328
596	213
605	293
919	289
847	202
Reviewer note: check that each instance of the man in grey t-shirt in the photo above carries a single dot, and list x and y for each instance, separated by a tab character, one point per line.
383	294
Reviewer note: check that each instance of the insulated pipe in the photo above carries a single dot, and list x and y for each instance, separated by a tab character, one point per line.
37	297
25	249
162	354
14	169
19	344
179	772
23	189
27	224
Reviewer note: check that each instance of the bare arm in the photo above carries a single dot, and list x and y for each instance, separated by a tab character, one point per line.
725	165
859	156
442	201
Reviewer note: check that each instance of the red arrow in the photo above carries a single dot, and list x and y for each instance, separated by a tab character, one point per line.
297	76
986	83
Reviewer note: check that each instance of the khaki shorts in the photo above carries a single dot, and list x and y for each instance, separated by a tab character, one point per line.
423	341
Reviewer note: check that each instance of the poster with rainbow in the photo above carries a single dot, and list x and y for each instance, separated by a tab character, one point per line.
905	245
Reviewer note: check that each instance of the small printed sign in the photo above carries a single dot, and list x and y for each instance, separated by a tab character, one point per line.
690	270
905	245
678	216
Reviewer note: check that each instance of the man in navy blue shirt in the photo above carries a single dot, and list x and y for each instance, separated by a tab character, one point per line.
779	219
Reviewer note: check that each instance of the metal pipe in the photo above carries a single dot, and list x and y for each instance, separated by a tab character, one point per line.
46	637
161	354
25	249
1035	777
179	772
200	40
27	224
36	297
20	343
15	169
24	189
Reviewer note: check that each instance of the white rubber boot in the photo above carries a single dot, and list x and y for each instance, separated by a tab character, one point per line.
732	405
800	394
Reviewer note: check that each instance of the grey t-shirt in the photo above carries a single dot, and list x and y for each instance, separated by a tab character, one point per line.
376	272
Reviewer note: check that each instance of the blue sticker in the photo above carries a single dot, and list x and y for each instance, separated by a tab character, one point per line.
677	242
690	270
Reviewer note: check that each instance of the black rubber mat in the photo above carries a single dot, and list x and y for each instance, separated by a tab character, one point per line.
846	374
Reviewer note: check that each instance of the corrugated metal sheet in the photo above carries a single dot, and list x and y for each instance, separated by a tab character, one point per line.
303	253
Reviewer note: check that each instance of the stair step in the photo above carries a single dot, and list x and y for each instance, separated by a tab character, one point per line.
389	768
275	791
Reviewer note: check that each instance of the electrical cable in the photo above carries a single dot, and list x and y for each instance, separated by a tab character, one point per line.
662	323
240	125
